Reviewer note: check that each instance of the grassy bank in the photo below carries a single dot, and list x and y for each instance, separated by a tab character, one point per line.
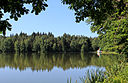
115	73
104	52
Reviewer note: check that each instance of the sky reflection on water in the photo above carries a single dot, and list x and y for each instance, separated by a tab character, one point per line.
52	68
56	75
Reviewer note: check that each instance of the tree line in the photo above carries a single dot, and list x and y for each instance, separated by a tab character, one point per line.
108	18
46	42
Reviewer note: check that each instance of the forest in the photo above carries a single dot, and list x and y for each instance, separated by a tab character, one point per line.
108	18
46	42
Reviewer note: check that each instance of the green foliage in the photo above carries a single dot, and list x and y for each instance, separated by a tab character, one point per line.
54	47
94	76
96	10
108	18
117	73
95	43
7	45
38	42
17	8
17	46
84	48
4	24
22	46
116	39
28	44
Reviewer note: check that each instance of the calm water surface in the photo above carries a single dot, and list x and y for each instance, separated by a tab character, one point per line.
50	68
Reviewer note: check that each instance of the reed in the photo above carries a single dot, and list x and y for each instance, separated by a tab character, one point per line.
93	76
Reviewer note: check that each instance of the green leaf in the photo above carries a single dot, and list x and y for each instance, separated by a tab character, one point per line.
0	32
16	19
9	29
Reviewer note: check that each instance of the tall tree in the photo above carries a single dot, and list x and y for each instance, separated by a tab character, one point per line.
109	18
17	46
7	45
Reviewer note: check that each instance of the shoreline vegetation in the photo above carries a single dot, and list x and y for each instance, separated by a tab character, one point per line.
46	42
115	73
106	53
110	22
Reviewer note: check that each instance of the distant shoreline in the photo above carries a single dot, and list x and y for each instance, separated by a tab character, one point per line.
104	52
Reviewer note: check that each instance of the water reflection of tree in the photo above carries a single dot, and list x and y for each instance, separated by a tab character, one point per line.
48	61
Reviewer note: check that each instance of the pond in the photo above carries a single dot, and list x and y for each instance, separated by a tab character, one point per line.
50	68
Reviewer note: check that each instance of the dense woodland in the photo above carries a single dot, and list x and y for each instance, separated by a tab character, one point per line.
42	42
108	18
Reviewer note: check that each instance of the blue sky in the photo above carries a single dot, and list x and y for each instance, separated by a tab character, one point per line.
57	19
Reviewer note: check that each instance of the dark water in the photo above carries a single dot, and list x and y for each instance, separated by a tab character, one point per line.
50	68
